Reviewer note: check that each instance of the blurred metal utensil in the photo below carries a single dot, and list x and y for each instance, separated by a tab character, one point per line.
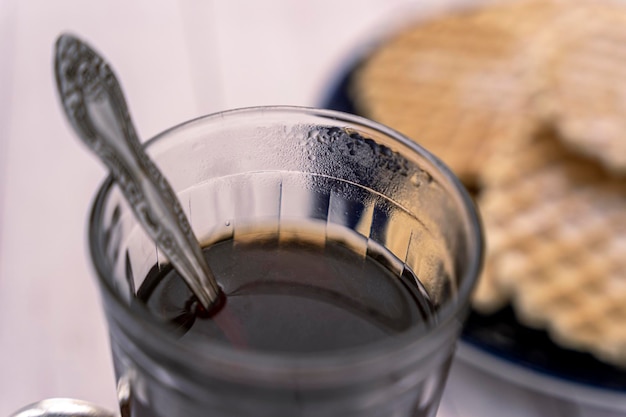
63	407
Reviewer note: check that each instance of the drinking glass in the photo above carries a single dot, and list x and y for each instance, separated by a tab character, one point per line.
294	173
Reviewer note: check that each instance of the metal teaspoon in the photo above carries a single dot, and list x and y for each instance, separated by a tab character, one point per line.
96	108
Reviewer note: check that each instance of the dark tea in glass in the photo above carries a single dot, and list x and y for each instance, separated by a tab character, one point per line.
345	254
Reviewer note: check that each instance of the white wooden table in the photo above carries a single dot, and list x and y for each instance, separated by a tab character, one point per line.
177	59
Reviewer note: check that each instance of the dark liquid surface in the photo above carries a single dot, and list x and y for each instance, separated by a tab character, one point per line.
290	297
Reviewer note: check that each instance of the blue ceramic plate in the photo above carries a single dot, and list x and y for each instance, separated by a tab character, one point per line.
499	344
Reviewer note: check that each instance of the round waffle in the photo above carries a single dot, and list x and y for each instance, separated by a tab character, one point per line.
556	230
585	94
527	101
458	82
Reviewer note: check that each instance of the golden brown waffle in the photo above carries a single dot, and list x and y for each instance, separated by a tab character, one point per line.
585	91
457	83
556	230
478	88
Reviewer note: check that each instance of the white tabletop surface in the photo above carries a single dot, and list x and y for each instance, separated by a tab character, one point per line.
177	59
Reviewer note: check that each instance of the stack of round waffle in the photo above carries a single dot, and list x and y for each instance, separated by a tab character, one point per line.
526	101
556	232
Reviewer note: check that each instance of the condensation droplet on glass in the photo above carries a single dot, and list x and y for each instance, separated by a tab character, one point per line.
415	180
227	223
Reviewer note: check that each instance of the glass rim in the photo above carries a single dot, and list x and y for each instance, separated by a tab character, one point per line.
282	363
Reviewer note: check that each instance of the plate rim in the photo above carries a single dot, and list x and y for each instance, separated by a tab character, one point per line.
534	380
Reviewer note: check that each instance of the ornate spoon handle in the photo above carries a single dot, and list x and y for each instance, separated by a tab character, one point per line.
96	108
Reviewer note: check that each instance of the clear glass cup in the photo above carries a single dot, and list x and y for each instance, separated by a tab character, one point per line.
325	175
